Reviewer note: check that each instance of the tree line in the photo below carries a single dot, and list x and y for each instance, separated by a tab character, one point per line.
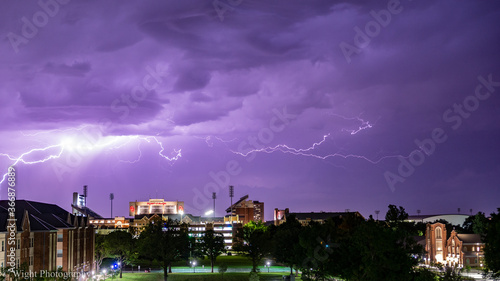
347	247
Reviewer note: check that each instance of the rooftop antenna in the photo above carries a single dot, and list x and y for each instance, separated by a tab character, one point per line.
214	196
231	194
111	197
377	212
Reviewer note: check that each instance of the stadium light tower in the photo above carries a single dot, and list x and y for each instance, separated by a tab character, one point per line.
111	197
214	196
231	194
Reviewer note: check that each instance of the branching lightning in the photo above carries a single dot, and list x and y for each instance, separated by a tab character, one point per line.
364	124
309	152
83	145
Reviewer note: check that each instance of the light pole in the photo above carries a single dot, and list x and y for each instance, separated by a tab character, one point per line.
214	196
268	265
194	266
181	212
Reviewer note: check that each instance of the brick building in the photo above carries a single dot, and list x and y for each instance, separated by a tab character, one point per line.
47	238
458	250
246	210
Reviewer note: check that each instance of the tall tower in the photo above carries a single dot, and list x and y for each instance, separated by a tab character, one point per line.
231	194
214	196
111	197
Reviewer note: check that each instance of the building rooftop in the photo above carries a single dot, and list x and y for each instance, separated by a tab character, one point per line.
470	238
42	216
323	215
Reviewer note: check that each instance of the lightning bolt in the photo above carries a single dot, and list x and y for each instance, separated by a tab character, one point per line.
21	159
364	124
69	144
309	152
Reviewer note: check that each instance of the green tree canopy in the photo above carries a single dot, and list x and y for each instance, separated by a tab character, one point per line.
476	224
212	245
287	249
255	242
163	241
396	215
492	247
121	246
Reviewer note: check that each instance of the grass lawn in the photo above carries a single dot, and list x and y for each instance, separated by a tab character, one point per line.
198	276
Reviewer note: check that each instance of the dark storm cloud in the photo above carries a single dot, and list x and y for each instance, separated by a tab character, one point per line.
176	71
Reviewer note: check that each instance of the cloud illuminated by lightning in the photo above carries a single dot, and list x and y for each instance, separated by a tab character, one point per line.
81	145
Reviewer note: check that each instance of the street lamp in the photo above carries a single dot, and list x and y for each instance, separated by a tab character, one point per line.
181	212
194	266
209	212
268	265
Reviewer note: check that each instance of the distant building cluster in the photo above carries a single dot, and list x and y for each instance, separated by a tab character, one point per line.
50	238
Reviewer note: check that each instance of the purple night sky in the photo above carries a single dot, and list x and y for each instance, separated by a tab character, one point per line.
310	105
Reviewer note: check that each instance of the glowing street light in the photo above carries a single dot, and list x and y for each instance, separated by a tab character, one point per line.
209	212
268	266
194	266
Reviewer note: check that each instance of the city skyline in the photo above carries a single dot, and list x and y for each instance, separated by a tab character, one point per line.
322	106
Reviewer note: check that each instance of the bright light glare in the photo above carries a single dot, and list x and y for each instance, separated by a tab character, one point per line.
209	212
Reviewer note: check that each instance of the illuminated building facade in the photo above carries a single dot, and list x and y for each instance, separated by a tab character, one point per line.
458	250
246	210
155	206
106	225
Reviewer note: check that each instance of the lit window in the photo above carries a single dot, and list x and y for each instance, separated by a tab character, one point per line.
438	233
